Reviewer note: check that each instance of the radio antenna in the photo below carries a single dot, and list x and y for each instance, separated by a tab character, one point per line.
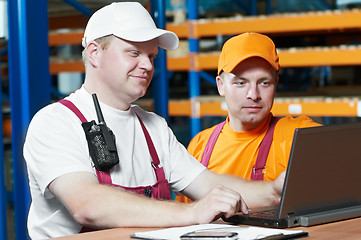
98	110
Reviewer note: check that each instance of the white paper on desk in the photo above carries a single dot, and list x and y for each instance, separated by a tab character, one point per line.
243	232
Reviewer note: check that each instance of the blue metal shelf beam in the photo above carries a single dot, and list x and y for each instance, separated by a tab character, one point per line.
79	7
29	88
193	75
160	82
208	78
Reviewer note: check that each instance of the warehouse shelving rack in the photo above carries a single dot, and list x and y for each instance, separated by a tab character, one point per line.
322	21
336	56
282	24
196	106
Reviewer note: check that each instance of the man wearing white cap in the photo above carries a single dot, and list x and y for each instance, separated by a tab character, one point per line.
71	189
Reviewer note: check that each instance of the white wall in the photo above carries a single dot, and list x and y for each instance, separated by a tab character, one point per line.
3	19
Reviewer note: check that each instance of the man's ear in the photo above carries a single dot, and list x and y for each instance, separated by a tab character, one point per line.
93	53
219	81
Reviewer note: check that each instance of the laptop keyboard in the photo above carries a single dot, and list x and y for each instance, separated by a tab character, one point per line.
269	213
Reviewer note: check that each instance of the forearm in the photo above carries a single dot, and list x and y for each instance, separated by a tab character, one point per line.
254	193
101	206
113	207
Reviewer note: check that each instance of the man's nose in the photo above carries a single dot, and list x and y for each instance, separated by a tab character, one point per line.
146	63
253	93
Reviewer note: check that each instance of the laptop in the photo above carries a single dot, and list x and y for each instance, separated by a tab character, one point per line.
323	180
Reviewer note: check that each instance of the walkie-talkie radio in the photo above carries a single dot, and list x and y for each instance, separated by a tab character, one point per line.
101	141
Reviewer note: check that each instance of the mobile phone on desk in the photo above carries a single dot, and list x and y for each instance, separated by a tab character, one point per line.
208	235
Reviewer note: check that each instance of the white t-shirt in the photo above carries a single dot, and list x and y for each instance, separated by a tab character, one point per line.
56	145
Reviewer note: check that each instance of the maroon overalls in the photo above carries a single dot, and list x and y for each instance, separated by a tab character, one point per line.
257	173
160	190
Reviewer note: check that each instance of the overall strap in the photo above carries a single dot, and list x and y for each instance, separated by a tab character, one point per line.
159	172
103	176
263	151
211	142
75	110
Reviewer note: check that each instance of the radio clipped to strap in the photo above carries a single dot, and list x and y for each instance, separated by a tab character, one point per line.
101	141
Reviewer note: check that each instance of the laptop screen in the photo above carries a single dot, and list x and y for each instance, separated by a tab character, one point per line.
324	170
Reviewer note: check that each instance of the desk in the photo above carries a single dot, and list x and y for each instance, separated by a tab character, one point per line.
343	230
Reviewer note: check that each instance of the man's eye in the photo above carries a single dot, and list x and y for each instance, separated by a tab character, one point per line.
239	83
134	53
266	83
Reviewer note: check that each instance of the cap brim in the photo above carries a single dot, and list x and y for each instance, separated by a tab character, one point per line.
229	67
167	40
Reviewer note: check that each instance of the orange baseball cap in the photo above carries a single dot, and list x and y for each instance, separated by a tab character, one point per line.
246	45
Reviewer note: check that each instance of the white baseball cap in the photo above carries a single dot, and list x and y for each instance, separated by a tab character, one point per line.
129	21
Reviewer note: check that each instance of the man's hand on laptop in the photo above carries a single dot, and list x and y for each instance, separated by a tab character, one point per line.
220	201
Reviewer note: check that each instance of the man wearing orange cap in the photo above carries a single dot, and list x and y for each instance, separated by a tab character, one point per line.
251	143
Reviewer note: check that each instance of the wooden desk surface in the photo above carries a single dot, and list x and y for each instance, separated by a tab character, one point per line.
342	230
